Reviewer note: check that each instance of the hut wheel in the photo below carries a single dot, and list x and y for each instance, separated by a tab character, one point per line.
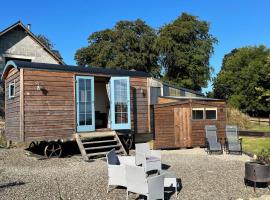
128	140
33	145
53	149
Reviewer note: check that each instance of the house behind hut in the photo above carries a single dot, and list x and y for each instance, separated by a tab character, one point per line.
17	42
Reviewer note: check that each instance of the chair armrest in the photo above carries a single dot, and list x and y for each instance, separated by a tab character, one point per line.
140	158
115	170
156	184
156	153
127	160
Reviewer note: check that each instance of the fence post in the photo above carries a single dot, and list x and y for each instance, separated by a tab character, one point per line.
269	120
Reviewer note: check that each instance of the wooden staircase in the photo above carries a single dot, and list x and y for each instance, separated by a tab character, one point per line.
98	144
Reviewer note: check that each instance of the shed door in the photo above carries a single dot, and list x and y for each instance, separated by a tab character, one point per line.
85	103
120	103
182	127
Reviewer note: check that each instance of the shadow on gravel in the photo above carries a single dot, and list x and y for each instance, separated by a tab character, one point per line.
11	184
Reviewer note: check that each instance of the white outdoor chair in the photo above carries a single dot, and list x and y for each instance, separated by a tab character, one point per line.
152	187
116	168
149	159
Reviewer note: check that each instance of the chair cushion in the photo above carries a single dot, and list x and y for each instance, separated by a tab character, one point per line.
152	159
112	158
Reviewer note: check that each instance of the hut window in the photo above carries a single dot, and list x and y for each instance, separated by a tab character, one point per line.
211	113
11	90
197	113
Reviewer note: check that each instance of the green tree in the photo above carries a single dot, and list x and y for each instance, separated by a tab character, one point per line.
44	40
244	80
185	46
129	45
48	43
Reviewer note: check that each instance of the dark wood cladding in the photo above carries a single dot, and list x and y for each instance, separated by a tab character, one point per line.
139	105
48	114
170	115
12	106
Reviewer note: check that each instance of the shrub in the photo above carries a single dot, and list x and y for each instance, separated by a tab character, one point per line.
264	156
235	117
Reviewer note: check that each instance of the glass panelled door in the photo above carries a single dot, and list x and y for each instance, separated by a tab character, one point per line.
120	103
85	103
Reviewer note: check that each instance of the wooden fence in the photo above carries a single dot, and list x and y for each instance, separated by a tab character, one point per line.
254	133
260	121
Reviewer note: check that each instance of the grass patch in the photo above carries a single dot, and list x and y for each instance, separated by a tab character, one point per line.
257	127
255	145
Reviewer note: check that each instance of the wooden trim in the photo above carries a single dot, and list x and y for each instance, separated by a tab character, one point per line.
202	102
21	106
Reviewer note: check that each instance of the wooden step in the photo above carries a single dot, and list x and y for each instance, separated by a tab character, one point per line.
103	147
99	142
103	153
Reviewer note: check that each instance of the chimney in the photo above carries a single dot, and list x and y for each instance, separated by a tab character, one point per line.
29	27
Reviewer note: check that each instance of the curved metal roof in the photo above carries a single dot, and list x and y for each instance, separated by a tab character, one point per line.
68	68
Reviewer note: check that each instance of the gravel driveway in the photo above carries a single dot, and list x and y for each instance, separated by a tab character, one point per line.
23	176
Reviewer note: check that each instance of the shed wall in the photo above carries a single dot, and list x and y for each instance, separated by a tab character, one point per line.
48	114
12	118
139	105
165	134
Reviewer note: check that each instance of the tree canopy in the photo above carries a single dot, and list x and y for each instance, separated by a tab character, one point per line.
244	79
48	43
185	47
129	45
178	52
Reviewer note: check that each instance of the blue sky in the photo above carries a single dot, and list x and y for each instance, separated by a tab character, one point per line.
69	23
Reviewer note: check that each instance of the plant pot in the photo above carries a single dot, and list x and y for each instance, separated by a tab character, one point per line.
257	172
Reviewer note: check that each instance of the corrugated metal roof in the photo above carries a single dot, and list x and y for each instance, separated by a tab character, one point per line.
68	68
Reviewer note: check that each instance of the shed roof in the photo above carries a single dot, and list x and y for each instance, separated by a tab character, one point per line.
69	68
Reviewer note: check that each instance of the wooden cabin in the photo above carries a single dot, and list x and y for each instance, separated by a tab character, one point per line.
50	102
180	122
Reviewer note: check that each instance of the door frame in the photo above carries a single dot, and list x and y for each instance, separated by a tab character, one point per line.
85	128
123	126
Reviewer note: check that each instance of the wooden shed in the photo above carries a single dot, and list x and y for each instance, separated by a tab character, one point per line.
180	122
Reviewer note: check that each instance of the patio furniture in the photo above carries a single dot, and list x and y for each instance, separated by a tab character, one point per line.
212	143
232	142
149	163
170	179
137	182
149	159
116	168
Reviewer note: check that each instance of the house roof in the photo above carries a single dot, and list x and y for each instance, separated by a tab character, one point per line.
184	89
69	68
20	24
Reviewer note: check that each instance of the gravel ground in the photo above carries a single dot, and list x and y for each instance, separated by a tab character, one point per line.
210	177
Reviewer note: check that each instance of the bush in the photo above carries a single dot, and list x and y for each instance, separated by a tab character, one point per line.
235	117
264	156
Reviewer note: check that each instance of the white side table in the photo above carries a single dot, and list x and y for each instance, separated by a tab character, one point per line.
170	179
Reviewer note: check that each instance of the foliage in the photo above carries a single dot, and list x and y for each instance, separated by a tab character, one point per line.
235	117
129	45
44	40
264	156
255	145
244	80
47	42
179	51
185	46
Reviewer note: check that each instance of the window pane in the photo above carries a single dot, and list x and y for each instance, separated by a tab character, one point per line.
88	119
211	114
197	114
121	101
82	119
